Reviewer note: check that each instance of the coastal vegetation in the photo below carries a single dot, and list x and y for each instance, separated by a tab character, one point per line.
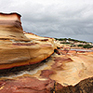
75	43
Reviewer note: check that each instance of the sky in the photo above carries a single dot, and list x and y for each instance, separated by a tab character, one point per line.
54	18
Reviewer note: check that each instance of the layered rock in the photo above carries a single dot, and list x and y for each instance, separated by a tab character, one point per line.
63	73
66	71
26	85
16	49
10	27
73	72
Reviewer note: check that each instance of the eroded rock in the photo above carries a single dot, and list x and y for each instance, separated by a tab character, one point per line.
66	71
26	85
16	49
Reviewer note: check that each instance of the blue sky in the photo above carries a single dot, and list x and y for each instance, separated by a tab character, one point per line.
54	18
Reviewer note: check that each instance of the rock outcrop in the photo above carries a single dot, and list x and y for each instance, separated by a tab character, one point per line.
16	49
66	71
69	73
10	27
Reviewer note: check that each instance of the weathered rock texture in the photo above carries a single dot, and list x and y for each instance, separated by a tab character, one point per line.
69	73
26	85
72	71
10	27
71	68
85	86
66	71
16	49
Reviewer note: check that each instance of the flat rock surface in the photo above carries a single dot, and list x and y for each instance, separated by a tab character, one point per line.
70	73
26	85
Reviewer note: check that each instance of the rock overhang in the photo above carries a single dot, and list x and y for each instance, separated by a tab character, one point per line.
19	48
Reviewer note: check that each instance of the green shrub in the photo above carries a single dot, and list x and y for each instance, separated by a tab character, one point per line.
87	46
80	45
65	43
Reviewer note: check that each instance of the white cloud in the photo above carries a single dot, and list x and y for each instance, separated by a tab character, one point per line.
69	18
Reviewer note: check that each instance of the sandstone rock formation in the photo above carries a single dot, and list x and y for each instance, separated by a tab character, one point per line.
26	85
63	73
16	49
66	71
10	27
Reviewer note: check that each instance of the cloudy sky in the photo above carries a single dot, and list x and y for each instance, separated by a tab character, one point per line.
54	18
